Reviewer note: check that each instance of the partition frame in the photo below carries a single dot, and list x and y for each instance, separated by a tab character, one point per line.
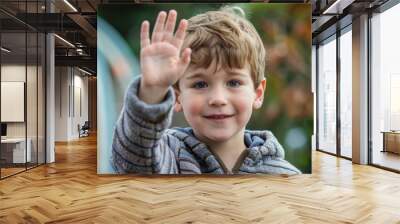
44	75
339	32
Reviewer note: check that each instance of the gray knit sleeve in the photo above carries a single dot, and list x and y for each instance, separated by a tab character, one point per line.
277	164
138	142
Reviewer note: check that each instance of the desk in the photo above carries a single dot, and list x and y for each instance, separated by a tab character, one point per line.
15	148
391	141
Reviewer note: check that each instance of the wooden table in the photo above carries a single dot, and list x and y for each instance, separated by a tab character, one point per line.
391	141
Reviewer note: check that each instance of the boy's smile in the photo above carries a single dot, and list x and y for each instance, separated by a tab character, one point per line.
218	116
217	103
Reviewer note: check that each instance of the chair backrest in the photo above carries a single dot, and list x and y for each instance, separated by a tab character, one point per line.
86	125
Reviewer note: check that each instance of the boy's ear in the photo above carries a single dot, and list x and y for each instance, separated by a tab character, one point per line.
260	94
177	105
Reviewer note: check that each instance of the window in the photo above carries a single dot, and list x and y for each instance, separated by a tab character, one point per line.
346	93
385	88
327	96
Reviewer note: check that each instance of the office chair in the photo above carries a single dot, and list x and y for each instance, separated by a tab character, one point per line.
84	130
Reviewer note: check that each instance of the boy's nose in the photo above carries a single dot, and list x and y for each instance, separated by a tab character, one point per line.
217	97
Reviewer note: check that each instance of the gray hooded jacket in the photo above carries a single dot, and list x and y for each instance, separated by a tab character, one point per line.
142	143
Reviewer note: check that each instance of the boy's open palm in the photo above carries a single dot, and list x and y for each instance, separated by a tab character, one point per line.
160	59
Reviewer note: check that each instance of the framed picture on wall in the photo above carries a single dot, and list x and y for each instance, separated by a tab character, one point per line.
204	88
12	101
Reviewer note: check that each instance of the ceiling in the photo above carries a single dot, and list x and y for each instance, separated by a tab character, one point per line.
76	23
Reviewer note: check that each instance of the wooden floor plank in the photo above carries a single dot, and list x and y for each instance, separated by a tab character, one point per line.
70	191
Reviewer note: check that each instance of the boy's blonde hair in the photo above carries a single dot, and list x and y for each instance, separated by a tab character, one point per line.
227	37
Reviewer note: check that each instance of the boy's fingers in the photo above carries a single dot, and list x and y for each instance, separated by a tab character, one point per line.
158	30
170	25
144	35
185	58
180	34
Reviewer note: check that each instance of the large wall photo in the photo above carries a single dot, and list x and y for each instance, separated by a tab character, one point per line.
204	88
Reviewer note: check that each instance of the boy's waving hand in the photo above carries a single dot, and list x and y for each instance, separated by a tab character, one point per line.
160	59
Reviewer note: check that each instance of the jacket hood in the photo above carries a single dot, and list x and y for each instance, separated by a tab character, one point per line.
260	144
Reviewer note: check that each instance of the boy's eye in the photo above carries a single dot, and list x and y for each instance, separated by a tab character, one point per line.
199	85
234	83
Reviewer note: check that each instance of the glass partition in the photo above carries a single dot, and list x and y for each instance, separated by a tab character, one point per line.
32	85
13	105
385	89
31	100
327	95
22	77
41	109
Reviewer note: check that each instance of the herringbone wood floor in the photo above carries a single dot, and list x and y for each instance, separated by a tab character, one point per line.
70	191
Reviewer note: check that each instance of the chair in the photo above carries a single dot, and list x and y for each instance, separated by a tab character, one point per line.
84	130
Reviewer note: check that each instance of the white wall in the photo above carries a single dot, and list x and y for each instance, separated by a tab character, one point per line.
33	126
71	94
80	100
16	73
61	103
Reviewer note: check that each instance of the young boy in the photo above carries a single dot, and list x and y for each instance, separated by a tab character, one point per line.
216	81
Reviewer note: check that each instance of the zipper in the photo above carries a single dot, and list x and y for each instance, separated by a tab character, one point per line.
238	163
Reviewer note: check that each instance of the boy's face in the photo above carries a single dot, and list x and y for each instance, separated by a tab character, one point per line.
218	105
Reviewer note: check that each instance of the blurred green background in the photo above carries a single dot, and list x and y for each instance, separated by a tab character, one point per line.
286	32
